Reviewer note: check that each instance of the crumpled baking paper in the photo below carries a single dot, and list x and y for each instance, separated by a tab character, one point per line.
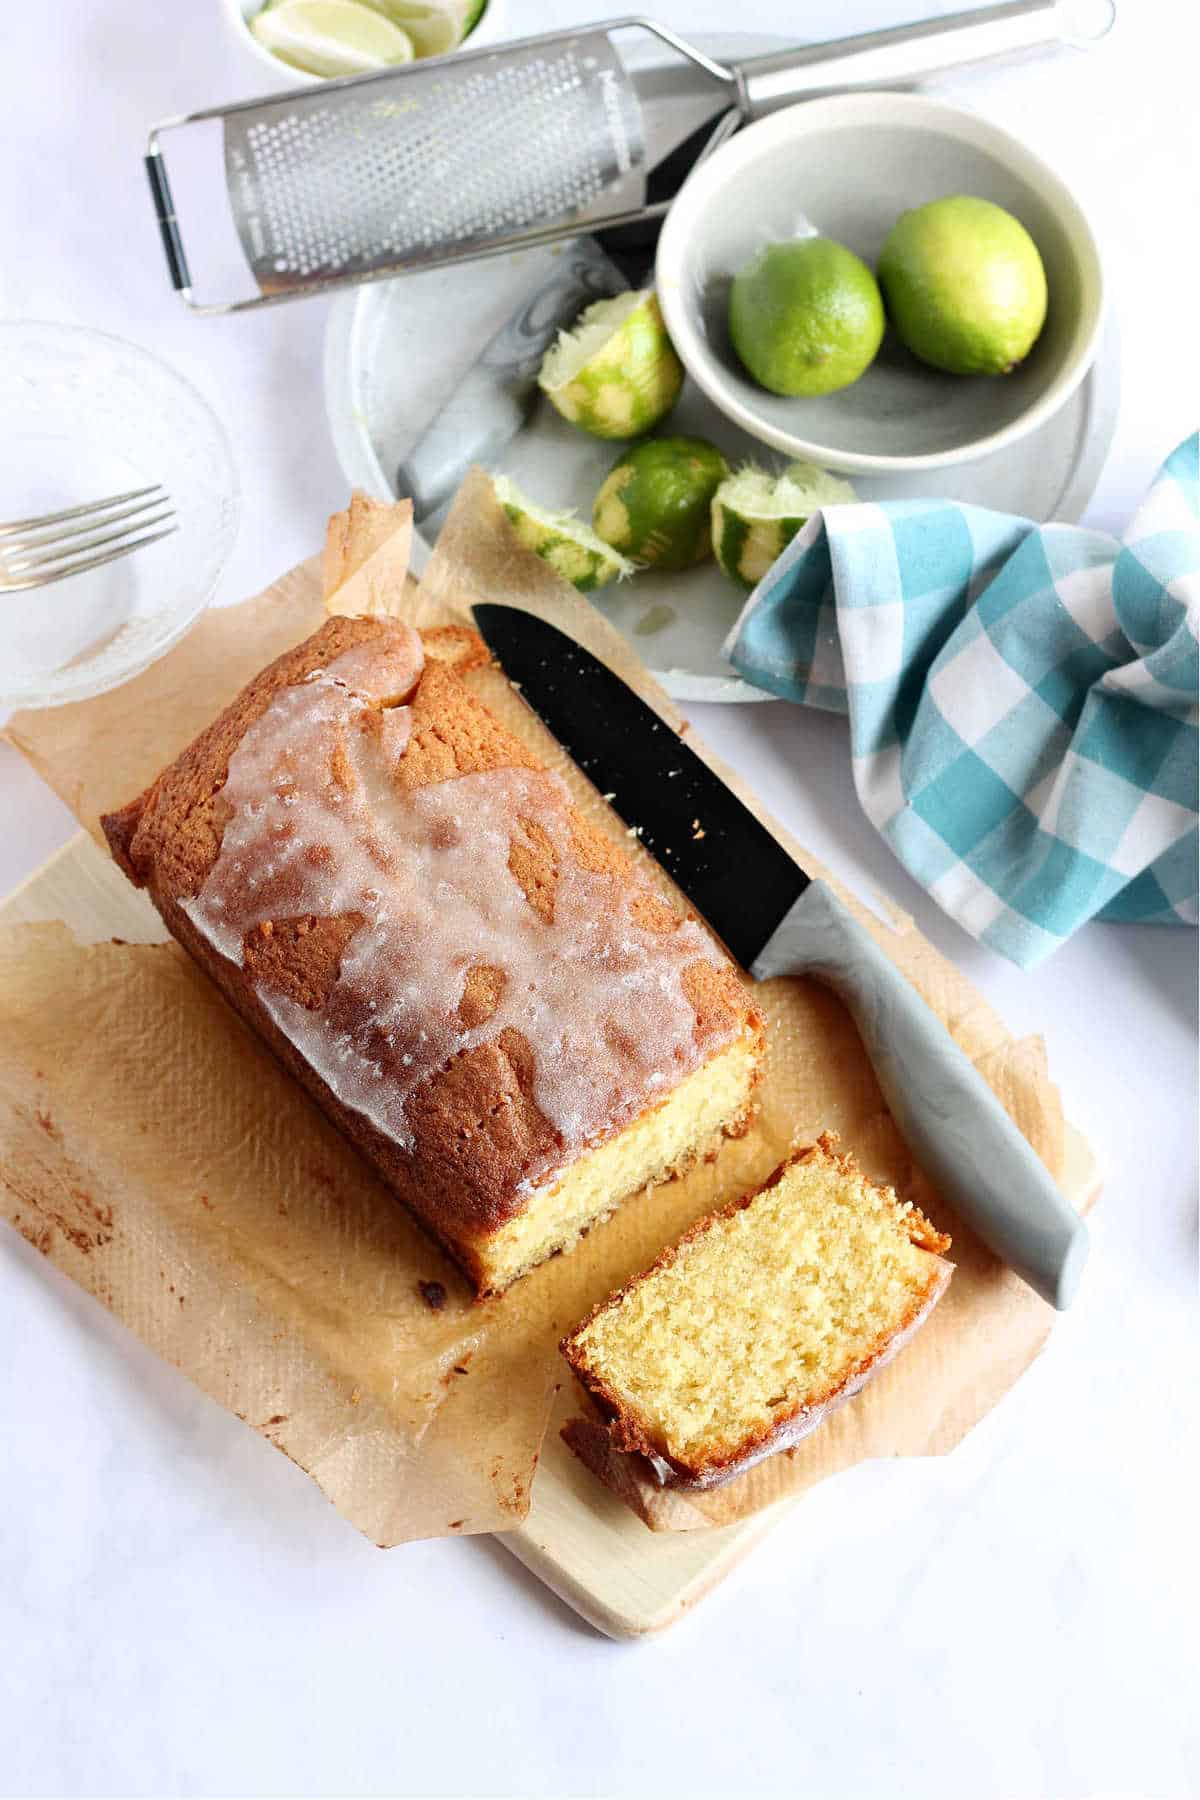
152	1149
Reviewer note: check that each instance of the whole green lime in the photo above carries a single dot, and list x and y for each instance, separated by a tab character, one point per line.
655	504
964	285
806	316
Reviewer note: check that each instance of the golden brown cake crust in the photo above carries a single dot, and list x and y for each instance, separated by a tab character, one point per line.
475	1125
626	1430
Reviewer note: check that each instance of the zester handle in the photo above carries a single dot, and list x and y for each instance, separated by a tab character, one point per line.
906	53
951	1120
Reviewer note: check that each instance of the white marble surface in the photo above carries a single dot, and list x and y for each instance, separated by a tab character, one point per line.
181	1612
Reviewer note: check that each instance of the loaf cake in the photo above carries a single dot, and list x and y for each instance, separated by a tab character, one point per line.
764	1316
475	983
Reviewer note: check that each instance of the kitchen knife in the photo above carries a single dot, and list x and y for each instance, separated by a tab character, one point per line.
777	921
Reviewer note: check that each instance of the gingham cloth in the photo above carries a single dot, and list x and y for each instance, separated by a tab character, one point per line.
1022	699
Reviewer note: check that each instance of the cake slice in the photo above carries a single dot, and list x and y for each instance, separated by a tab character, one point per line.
477	985
764	1316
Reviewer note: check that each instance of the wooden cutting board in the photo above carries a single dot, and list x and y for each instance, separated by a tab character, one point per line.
582	1542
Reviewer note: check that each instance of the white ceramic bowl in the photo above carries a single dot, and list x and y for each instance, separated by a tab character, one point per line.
240	12
84	416
846	167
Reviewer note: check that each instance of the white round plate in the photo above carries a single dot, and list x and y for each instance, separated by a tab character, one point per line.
395	352
84	416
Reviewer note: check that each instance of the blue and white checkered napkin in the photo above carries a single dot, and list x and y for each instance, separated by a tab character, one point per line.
1022	699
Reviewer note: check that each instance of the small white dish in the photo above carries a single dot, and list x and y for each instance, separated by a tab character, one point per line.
239	13
82	416
847	167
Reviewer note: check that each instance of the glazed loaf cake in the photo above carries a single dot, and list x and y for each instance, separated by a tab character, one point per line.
475	983
740	1339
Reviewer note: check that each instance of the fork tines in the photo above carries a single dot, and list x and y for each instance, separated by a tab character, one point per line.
36	551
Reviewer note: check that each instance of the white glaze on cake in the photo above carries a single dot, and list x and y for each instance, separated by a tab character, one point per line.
318	827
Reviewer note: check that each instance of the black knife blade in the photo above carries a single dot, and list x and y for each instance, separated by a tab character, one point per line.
734	872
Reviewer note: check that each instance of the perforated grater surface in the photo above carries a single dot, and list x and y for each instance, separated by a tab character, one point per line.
435	162
491	150
460	154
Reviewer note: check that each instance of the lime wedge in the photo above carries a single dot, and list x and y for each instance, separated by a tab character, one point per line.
615	374
331	37
435	26
755	515
560	539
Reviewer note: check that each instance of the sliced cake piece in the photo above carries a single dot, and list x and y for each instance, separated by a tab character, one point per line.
764	1316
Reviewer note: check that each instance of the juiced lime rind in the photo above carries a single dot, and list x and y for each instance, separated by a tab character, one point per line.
964	285
746	548
655	504
561	539
755	515
805	317
615	374
331	38
801	487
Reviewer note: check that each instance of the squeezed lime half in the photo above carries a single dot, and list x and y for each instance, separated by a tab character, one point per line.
755	515
615	374
559	538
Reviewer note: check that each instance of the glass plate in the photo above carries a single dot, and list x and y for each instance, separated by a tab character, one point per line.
82	416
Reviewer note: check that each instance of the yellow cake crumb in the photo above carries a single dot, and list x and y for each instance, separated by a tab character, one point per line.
760	1314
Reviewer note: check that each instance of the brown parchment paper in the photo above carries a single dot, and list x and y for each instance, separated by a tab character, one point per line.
151	1148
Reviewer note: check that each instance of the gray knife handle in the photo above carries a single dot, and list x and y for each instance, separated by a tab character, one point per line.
951	1120
491	404
480	420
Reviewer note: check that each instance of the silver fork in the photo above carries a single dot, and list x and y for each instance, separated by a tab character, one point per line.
34	552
